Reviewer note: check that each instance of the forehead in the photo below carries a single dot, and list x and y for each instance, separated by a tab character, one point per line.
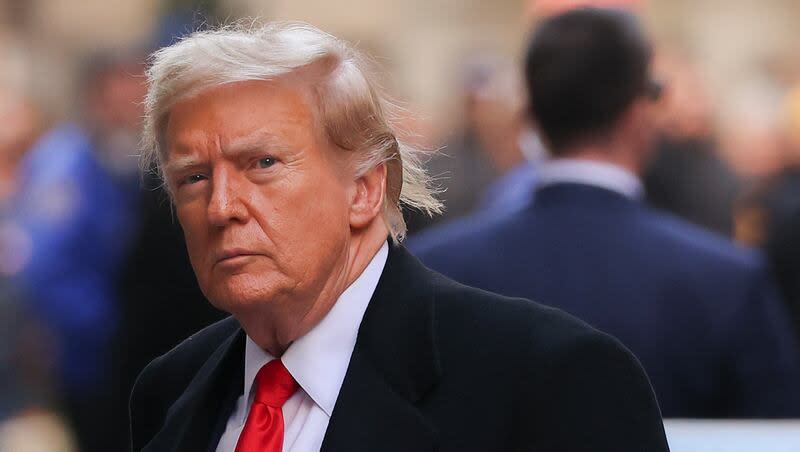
239	111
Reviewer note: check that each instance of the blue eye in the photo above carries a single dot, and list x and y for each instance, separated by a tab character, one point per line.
266	162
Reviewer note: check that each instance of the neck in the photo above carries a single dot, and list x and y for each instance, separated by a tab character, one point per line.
275	333
622	156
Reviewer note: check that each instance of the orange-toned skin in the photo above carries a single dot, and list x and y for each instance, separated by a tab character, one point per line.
275	222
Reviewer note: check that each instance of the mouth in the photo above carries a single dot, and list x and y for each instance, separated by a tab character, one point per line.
233	257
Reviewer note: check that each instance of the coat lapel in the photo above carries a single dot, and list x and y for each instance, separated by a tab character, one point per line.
192	420
393	367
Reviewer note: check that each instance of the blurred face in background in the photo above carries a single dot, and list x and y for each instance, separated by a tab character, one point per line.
685	109
261	195
494	112
116	96
115	107
21	126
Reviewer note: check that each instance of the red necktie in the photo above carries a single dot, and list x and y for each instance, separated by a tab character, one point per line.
263	431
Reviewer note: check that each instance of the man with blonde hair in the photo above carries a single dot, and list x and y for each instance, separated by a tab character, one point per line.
288	177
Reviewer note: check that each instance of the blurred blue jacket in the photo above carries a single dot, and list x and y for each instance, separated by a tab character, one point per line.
77	219
510	192
700	313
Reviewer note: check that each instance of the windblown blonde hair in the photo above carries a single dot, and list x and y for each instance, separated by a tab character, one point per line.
354	113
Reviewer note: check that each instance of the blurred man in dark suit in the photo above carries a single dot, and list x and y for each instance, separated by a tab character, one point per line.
288	178
781	203
769	215
686	175
701	314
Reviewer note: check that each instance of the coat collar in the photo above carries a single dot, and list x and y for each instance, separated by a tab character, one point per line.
192	422
394	365
590	173
570	194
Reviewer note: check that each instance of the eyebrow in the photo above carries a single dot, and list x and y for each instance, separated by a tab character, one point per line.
253	143
179	164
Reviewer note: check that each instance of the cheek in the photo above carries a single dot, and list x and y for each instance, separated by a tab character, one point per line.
308	219
325	207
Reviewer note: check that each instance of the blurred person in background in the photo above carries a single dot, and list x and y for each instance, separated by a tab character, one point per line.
701	315
769	216
28	402
686	176
489	166
22	125
29	418
75	206
160	303
508	141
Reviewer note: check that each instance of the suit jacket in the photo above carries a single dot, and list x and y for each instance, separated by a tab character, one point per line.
698	312
437	366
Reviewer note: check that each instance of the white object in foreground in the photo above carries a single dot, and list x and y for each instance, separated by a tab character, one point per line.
694	435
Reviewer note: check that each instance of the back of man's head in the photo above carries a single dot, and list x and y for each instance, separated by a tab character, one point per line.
584	69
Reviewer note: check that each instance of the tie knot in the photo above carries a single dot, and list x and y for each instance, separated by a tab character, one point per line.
274	384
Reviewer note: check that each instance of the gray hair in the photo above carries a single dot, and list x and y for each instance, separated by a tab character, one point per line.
353	111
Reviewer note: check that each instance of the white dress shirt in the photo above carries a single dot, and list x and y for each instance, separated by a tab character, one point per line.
318	362
588	172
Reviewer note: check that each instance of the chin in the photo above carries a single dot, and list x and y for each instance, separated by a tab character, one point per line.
239	294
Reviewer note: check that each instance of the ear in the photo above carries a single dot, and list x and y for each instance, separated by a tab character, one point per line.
641	113
631	124
367	200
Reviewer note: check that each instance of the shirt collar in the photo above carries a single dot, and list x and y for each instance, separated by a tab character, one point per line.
318	361
597	174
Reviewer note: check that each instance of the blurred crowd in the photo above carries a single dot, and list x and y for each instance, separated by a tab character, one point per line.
95	281
94	277
739	178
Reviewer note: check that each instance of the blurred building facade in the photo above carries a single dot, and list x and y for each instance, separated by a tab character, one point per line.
734	42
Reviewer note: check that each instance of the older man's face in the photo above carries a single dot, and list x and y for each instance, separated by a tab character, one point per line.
261	195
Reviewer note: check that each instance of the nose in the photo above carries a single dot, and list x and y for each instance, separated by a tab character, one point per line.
225	205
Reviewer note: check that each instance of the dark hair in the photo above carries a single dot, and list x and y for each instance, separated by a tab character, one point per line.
583	69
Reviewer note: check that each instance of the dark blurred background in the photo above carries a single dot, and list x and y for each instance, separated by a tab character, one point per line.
94	278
